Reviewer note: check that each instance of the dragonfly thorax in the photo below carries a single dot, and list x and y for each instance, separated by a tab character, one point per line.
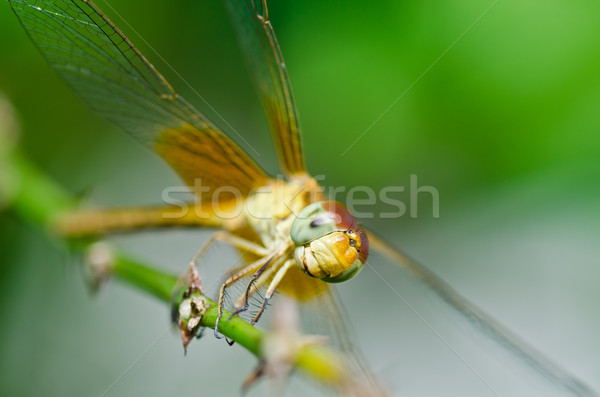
329	244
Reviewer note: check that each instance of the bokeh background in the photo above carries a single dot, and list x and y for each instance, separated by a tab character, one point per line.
505	125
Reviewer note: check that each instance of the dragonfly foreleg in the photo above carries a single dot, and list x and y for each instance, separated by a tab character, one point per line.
273	287
251	268
254	285
247	292
258	280
234	241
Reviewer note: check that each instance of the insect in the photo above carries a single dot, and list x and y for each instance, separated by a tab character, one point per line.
301	241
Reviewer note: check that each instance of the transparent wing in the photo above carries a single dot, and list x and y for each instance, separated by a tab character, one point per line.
479	319
105	69
325	315
267	68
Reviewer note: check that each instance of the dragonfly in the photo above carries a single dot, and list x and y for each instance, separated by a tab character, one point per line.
297	241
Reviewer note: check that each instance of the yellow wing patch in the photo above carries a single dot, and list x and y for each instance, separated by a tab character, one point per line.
210	163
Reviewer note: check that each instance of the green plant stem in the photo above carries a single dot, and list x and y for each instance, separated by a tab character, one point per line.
153	281
37	199
318	362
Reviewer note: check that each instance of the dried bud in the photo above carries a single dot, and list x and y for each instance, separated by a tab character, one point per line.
99	264
191	307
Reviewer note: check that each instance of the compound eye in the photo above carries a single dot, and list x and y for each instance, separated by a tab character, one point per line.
319	219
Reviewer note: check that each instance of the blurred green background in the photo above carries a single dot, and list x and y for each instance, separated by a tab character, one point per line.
506	125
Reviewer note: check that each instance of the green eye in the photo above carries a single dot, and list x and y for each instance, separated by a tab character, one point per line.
318	219
311	223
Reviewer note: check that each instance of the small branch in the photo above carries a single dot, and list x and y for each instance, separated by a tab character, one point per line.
152	281
36	198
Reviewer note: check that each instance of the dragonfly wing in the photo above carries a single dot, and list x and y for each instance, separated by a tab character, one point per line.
267	68
324	314
105	69
482	321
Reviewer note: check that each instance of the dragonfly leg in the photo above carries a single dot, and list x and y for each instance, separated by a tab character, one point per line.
272	287
251	268
232	240
247	293
241	243
254	285
258	279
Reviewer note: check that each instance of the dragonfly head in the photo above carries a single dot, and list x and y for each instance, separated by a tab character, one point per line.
329	244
